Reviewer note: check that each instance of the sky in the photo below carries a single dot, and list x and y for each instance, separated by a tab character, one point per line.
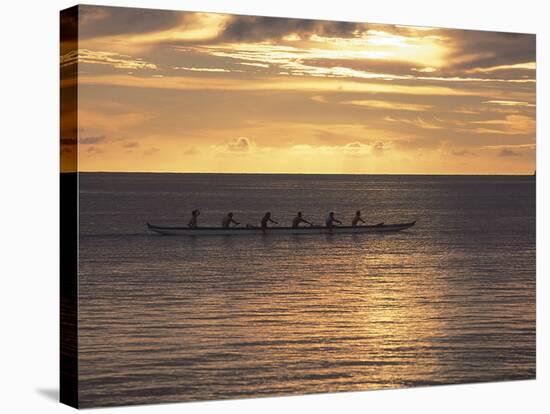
202	92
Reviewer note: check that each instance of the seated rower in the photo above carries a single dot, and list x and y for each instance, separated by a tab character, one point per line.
299	219
357	219
266	219
193	223
228	220
331	220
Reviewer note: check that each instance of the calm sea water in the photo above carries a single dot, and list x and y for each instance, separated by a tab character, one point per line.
162	319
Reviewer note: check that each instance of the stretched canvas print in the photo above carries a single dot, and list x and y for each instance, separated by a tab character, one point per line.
259	206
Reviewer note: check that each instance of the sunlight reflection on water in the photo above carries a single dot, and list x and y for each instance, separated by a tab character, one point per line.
451	300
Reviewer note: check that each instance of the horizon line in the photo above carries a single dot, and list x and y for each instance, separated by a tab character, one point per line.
300	173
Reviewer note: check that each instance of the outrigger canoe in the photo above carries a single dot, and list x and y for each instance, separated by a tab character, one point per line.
235	231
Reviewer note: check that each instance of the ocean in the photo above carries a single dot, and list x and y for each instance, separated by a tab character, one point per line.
162	319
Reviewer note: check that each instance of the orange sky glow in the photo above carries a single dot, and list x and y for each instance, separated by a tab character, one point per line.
168	91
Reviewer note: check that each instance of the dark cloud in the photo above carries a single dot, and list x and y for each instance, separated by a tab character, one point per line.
83	140
477	49
508	73
256	28
91	140
132	144
378	148
402	68
368	65
462	153
472	50
506	152
241	144
96	21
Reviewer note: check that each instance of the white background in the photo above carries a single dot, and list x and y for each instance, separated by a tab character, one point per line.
29	204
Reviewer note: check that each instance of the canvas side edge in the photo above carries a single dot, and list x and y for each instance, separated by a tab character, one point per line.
68	384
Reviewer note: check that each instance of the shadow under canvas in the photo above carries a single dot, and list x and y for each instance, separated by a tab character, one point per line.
49	393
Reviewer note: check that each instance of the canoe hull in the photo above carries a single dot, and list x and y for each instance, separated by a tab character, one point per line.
241	231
